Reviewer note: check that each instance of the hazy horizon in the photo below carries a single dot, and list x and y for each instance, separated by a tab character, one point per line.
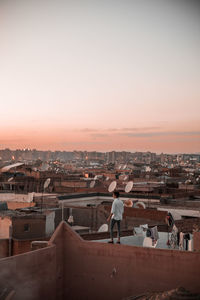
74	150
100	75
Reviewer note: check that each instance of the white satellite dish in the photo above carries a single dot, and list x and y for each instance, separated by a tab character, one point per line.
107	178
112	186
129	187
188	181
46	183
95	177
125	177
148	169
92	184
10	179
70	219
139	204
124	167
103	228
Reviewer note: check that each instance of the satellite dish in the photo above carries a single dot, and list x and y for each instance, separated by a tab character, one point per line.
148	169
140	204
47	182
112	186
188	181
95	177
92	184
124	167
103	228
107	178
129	187
70	219
125	177
10	179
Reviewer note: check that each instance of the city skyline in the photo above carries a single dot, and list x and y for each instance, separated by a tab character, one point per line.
100	75
12	152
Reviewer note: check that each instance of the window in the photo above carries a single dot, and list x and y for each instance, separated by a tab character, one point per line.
26	227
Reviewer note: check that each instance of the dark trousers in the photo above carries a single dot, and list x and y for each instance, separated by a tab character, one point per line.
113	221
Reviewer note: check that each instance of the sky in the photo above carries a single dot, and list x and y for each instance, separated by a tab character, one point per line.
100	75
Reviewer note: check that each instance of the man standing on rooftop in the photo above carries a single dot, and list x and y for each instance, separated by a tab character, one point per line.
116	215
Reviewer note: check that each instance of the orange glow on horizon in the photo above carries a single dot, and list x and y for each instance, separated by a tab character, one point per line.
125	139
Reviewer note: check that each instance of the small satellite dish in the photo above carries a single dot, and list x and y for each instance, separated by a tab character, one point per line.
103	228
125	177
10	179
124	167
140	204
70	219
112	186
188	181
95	177
46	183
148	169
107	178
92	184
129	187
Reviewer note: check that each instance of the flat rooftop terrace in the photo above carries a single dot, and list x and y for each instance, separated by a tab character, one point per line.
137	240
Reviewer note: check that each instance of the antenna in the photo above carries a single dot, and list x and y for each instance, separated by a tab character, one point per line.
129	187
92	184
112	186
45	186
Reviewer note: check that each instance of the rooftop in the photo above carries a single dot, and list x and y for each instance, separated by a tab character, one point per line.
72	268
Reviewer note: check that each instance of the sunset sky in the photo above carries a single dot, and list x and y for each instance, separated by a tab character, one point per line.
100	75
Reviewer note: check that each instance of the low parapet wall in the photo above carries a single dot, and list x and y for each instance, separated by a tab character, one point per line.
150	214
98	270
71	268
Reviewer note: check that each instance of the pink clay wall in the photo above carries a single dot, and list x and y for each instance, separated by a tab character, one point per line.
105	271
31	275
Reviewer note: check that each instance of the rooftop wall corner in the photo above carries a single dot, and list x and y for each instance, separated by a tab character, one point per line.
62	228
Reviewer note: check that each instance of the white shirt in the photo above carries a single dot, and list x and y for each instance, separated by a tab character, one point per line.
117	209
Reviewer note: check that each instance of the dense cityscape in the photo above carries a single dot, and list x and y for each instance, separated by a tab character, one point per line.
100	150
41	191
